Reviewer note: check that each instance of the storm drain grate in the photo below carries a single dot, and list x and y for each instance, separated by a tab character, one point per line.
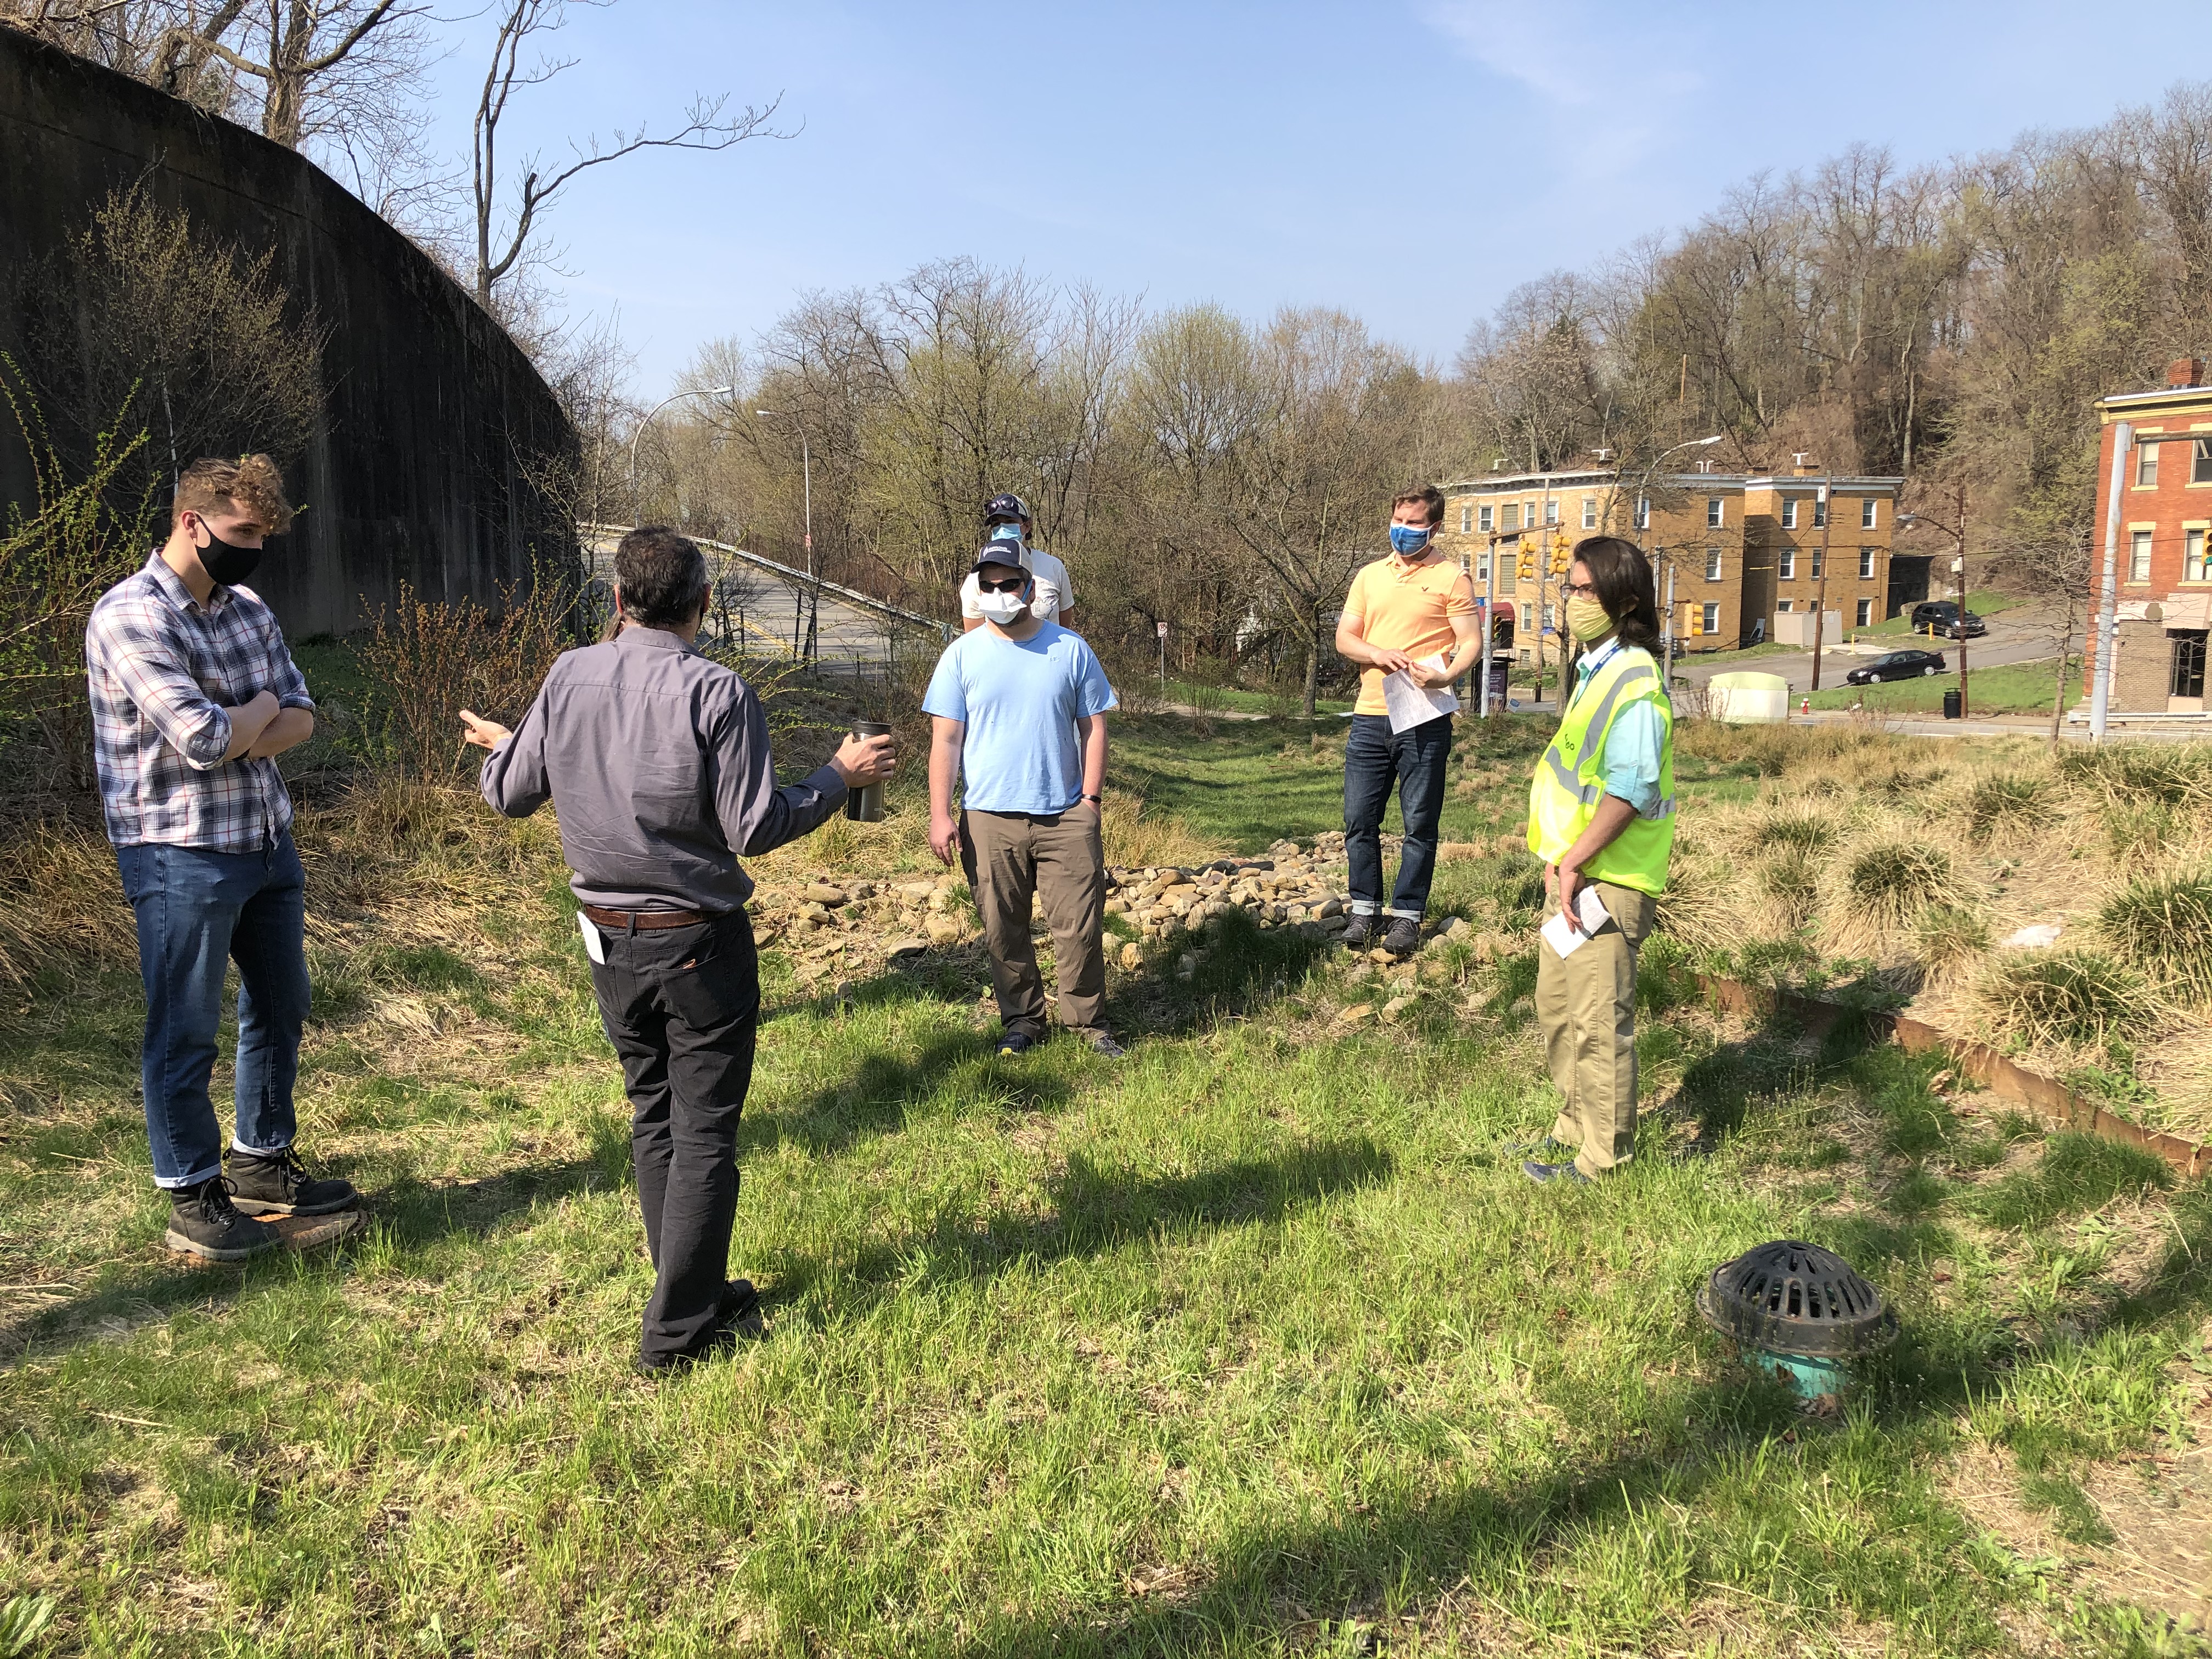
1792	1298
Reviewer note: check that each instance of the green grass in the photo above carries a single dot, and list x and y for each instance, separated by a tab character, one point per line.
1255	1344
1237	699
2022	688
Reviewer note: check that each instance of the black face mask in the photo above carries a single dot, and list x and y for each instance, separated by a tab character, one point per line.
226	563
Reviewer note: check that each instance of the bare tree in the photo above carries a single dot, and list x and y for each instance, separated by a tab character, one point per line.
503	247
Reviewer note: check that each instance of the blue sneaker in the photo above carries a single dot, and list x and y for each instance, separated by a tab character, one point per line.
1550	1150
1016	1042
1540	1173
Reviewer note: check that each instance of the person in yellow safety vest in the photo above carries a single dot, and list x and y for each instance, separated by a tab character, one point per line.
1601	817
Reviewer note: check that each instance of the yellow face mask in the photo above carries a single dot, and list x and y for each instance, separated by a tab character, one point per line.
1586	619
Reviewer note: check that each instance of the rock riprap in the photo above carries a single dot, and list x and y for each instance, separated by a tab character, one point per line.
1290	887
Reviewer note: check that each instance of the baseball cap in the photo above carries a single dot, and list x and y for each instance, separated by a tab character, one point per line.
1007	505
1004	551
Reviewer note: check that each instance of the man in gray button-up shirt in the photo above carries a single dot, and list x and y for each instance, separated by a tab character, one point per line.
657	761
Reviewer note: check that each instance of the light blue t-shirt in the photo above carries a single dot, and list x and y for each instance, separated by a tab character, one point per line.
1020	700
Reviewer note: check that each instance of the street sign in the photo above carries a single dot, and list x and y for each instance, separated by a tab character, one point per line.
1163	628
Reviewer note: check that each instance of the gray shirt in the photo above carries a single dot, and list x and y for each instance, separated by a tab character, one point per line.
657	761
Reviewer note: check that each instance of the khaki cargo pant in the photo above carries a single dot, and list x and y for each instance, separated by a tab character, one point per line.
1011	857
1586	1008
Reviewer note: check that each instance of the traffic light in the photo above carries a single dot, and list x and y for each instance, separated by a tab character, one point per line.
1528	561
1561	561
1696	619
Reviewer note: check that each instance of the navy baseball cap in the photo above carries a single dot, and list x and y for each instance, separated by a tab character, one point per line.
1007	505
1006	551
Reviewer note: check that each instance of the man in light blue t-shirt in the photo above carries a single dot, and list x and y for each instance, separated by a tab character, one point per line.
1018	709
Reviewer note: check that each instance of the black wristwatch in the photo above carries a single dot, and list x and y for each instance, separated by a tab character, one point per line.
1098	801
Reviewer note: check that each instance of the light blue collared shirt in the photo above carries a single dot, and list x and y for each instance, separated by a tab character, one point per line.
1633	746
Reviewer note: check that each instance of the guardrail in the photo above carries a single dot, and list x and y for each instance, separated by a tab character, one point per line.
852	596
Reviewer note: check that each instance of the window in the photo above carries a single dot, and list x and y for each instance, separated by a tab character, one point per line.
1642	512
1785	606
1466	517
1866	613
1512	517
1866	514
2192	556
2139	556
1484	515
1589	511
1715	511
1788	569
1817	572
1482	566
2200	461
1547	624
1819	513
1551	511
2146	465
1866	564
1712	619
1528	514
2188	665
1790	513
1712	564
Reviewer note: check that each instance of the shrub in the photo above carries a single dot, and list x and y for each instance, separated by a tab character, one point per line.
2163	926
2066	998
1890	881
427	659
1995	800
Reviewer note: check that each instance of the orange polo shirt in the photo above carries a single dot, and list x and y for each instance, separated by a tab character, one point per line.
1407	607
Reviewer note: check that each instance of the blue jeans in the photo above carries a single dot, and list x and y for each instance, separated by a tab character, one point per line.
196	910
1415	759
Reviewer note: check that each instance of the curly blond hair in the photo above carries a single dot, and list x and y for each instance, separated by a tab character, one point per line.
251	485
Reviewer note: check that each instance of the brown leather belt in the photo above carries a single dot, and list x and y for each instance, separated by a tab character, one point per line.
645	921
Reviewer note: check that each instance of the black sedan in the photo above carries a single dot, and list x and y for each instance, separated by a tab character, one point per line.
1945	618
1897	666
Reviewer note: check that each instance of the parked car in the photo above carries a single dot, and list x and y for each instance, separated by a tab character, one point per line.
1897	666
1945	618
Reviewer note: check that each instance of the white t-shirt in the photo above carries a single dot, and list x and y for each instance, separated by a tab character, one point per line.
1054	595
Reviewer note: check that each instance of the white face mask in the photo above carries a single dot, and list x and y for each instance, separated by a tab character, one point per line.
1001	608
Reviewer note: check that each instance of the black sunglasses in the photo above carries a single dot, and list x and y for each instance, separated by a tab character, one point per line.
1006	584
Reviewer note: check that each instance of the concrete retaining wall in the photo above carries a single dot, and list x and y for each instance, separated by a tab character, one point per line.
434	421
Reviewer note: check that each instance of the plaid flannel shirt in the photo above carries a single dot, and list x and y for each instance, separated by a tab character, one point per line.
165	670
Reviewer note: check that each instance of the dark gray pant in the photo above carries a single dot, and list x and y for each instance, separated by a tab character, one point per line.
682	1008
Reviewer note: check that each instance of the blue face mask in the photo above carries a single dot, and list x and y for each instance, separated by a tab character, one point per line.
1011	532
1406	541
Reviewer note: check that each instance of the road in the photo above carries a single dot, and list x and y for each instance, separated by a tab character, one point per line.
2023	634
768	614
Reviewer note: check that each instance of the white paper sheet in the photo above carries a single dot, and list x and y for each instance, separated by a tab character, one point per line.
594	947
1594	914
1412	705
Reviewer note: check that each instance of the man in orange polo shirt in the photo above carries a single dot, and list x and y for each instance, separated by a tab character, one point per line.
1404	614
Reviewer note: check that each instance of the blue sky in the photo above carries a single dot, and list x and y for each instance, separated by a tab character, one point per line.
1409	162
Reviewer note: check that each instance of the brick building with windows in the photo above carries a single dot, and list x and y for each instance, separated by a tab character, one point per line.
2163	585
1744	549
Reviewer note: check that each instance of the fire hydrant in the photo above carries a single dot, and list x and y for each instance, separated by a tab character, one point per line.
1805	705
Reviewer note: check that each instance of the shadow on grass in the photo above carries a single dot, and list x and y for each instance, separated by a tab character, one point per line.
1240	967
1094	1210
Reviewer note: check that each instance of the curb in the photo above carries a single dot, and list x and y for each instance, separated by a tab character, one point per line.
2044	1095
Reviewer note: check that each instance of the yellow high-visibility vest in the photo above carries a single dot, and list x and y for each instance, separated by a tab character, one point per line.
1570	779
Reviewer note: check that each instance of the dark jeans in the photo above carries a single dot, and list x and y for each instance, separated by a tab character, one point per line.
197	910
1375	758
682	1008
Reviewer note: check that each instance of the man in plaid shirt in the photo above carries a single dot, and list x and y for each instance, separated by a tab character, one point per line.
194	696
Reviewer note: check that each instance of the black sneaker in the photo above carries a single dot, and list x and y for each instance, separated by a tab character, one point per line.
1362	931
204	1223
1103	1043
1404	936
279	1185
1016	1042
740	1308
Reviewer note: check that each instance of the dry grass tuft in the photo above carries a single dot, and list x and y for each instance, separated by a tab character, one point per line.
1948	938
1137	836
1790	884
2066	998
1888	882
2001	800
2162	925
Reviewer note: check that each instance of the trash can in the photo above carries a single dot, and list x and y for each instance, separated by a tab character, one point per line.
1951	705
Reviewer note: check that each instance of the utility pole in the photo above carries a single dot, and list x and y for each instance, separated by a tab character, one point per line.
1963	629
1666	629
2108	625
1820	591
1489	620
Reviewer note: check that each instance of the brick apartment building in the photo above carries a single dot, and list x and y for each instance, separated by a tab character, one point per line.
2165	585
1744	549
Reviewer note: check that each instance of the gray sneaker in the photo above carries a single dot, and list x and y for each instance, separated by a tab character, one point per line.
1362	931
204	1223
1103	1043
1404	936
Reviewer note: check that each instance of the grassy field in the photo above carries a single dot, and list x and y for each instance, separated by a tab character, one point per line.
2023	687
1255	1344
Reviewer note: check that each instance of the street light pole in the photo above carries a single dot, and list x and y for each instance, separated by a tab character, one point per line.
688	392
1821	590
806	488
2108	625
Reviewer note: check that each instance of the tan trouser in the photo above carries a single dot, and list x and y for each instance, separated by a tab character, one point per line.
1586	1007
1009	858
